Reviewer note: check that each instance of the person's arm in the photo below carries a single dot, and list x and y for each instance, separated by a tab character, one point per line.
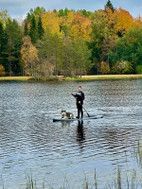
74	95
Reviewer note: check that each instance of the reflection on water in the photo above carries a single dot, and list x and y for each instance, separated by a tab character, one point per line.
31	142
80	132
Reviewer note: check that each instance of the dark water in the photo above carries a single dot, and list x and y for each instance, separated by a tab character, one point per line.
57	153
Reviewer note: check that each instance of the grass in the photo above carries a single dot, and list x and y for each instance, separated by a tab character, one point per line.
16	78
104	77
83	78
117	183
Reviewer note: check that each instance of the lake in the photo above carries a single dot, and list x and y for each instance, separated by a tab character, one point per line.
65	154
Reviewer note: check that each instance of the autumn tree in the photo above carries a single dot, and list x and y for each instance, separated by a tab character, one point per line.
81	27
51	21
29	57
2	70
105	68
123	21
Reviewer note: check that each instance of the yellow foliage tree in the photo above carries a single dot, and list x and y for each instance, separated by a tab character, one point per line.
77	25
123	21
105	69
81	26
119	21
51	21
29	57
2	70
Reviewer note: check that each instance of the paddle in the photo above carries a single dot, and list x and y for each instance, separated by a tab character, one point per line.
82	107
86	111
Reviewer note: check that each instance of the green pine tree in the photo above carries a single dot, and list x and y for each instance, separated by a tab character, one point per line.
13	42
2	44
26	32
40	28
1	35
33	30
109	5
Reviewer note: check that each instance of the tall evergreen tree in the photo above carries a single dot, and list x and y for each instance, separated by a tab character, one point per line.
13	43
40	28
26	32
33	30
1	42
109	5
3	47
1	35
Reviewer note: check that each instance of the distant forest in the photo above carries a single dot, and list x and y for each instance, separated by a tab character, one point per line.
71	43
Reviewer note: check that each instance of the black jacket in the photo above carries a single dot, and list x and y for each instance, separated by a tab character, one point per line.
79	97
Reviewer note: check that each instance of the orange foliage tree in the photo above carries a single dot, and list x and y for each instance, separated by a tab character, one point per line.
119	22
123	21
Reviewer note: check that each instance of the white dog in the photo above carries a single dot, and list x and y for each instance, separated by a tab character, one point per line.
66	115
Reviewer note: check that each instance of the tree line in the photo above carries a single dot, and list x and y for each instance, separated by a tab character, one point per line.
71	43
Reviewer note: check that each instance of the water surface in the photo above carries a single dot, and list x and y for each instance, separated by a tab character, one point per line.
55	152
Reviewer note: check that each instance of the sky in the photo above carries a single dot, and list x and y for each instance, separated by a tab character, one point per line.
19	8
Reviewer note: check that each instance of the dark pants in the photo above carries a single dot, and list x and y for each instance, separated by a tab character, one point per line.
80	110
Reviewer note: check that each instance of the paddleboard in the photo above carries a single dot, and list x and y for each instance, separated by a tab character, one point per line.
76	119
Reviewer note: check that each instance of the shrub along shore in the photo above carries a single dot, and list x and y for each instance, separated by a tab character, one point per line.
83	78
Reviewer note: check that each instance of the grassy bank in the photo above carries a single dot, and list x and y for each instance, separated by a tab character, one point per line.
16	78
104	77
83	78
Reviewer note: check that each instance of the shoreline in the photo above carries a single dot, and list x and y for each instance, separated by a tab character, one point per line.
15	78
83	78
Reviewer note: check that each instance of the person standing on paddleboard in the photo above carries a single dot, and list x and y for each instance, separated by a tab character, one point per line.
79	101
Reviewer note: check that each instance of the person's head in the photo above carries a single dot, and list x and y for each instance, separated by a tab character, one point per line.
79	88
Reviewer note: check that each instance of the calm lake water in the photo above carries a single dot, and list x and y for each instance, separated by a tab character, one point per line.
65	154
